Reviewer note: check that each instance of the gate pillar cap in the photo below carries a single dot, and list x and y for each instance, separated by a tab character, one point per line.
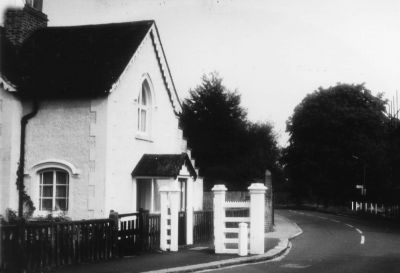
257	188
219	188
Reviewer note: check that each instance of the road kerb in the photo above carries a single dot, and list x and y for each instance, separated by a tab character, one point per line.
269	255
280	249
277	251
298	233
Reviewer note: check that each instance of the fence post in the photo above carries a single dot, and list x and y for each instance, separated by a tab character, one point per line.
143	229
22	263
189	212
219	216
269	207
257	217
243	239
174	192
114	237
164	218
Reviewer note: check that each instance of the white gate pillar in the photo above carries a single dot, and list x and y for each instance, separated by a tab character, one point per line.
174	193
219	216
164	218
257	217
189	211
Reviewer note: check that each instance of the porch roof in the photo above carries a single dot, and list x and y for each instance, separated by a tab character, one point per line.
163	165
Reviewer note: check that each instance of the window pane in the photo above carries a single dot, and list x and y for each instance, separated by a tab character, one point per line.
47	191
47	204
182	182
143	121
157	205
62	178
47	178
138	121
144	194
53	190
61	204
61	191
144	94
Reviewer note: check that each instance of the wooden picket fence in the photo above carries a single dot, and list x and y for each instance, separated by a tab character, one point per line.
38	246
138	232
203	225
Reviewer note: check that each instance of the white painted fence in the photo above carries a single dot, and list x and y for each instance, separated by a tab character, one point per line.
377	209
255	221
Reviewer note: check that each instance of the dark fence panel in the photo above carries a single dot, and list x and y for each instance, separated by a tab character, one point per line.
154	231
138	232
9	247
128	234
203	228
39	246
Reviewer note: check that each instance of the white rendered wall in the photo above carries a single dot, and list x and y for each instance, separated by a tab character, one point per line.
60	131
125	147
10	118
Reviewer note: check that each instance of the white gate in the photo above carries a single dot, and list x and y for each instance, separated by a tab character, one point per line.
255	219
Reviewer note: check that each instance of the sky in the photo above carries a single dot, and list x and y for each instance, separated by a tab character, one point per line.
273	52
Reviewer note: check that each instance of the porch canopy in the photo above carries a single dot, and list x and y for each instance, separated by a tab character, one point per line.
163	165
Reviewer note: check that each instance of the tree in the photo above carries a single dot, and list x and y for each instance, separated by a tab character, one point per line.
393	154
337	140
227	147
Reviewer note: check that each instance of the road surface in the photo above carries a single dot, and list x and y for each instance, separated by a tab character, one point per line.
332	243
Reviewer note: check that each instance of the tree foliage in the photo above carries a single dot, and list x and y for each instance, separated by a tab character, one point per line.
335	135
227	147
393	155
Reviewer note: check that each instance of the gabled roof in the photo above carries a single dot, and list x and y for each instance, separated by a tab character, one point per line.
77	61
163	165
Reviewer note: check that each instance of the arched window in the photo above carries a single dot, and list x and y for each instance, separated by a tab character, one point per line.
144	108
53	190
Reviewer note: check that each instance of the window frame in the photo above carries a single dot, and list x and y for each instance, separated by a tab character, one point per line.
54	186
154	194
144	108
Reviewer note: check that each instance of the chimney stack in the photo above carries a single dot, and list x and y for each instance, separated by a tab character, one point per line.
19	24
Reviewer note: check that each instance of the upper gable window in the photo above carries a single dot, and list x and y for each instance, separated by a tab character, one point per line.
144	109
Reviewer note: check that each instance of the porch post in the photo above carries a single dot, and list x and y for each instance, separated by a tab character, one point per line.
257	217
219	216
174	193
189	211
164	218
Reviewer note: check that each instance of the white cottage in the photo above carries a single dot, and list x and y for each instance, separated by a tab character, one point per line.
101	114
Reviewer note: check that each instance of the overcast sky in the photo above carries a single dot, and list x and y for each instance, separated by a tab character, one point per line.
273	52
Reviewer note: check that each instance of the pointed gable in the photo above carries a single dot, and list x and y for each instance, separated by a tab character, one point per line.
163	165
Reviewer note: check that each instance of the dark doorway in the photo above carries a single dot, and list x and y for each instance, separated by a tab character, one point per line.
182	211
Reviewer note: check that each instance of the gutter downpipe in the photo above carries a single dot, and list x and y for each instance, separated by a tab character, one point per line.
21	165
